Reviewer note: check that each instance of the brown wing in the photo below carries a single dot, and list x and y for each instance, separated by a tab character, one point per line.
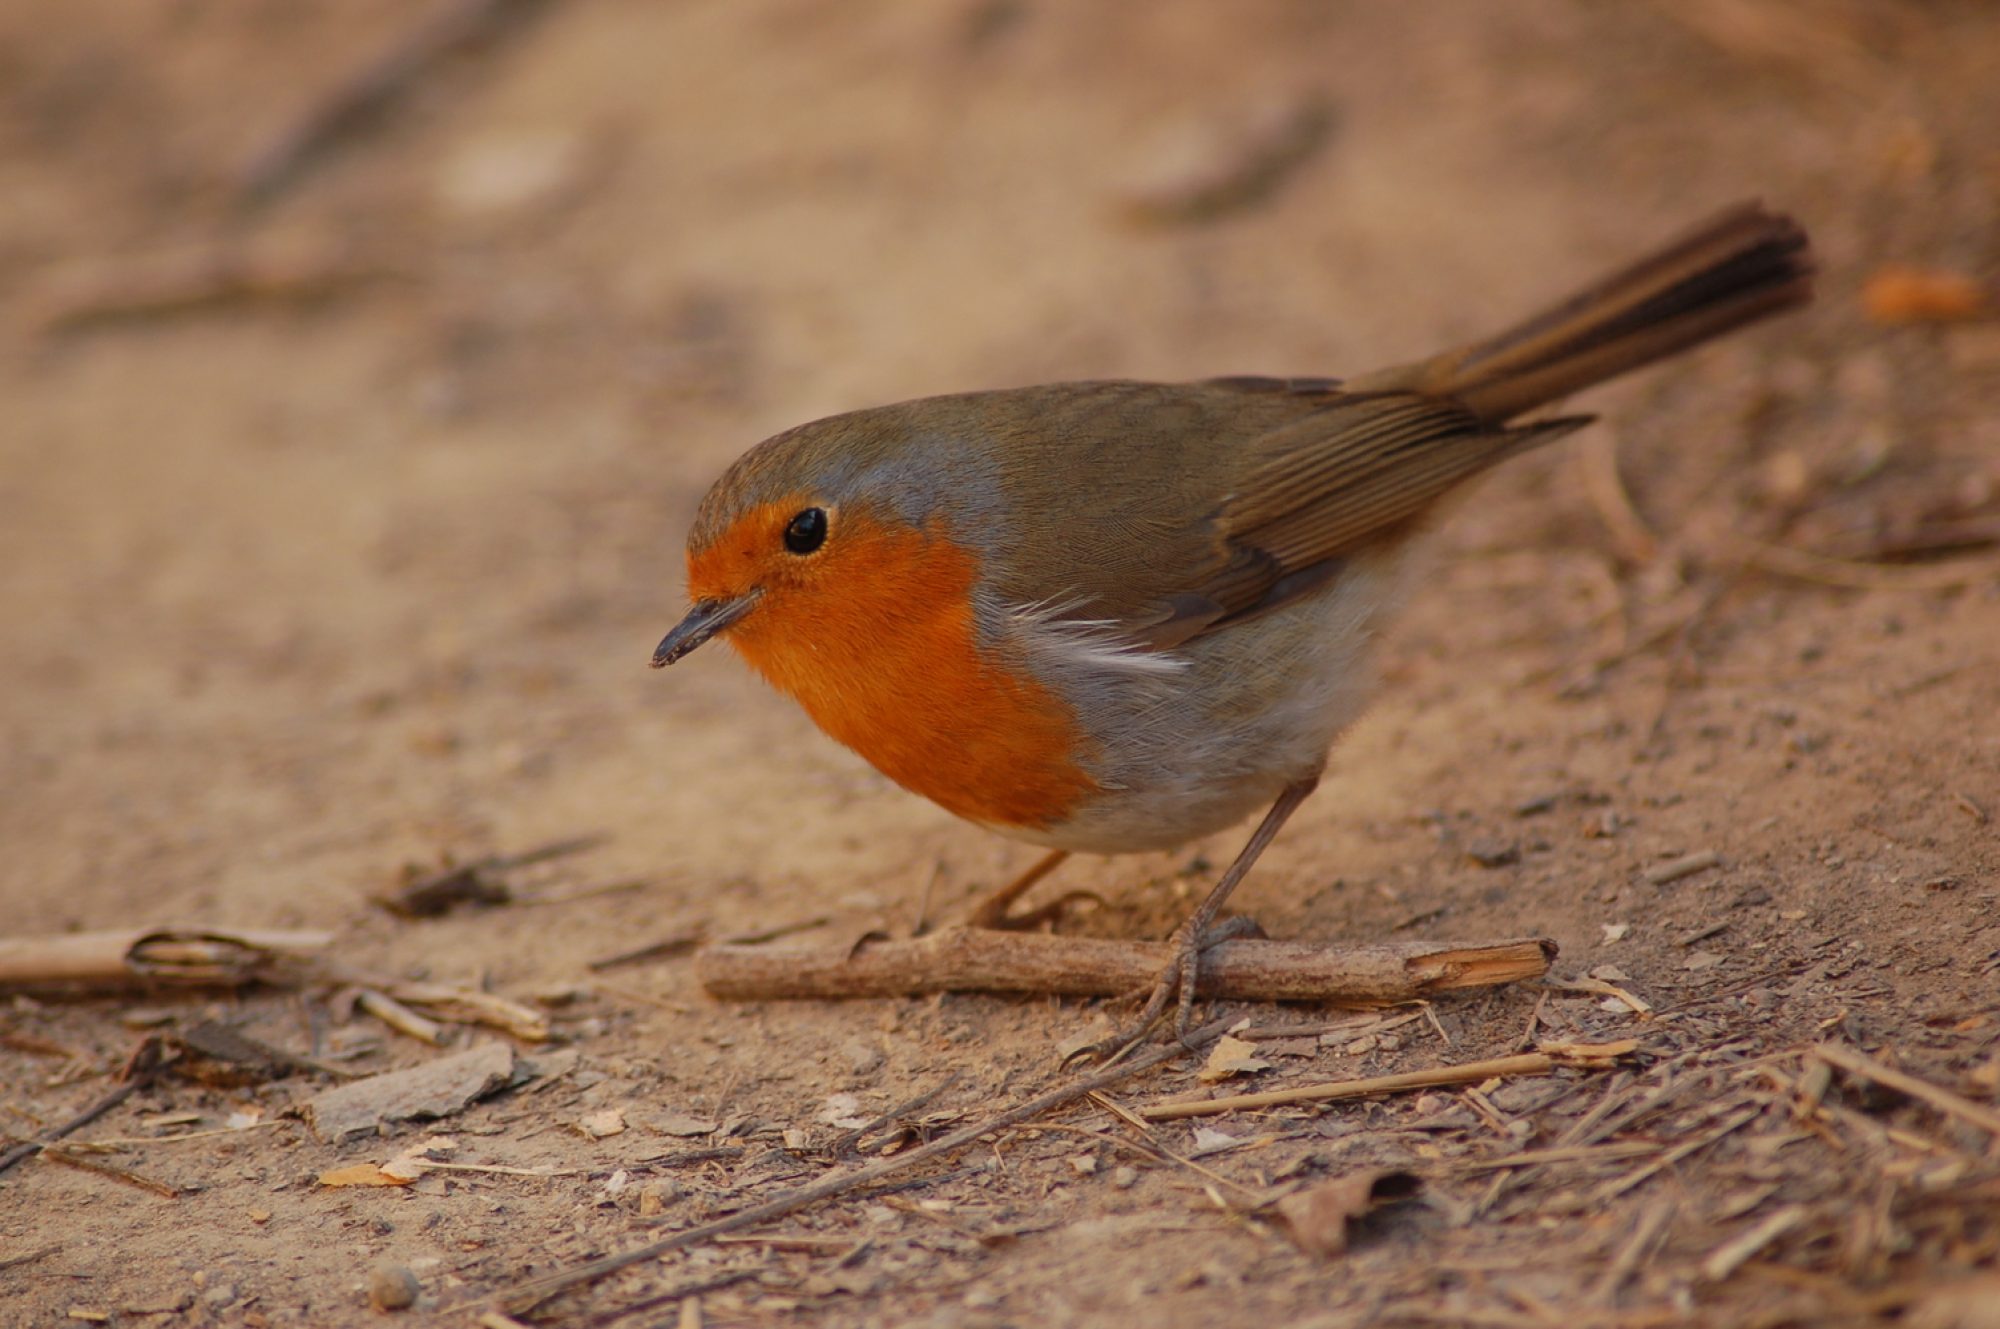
1327	483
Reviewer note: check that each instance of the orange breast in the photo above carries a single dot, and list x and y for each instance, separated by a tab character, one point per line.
878	644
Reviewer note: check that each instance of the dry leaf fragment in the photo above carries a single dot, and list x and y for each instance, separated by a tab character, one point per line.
435	1089
1318	1217
361	1174
602	1124
685	1127
1898	294
844	1111
1231	1056
1208	1140
401	1170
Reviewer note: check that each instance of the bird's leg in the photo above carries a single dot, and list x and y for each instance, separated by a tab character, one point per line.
1193	936
990	911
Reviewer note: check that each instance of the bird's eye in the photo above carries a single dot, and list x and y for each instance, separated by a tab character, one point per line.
807	531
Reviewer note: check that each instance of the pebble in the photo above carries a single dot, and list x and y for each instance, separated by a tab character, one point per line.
392	1287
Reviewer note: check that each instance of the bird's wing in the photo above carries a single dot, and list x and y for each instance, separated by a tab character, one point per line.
1210	502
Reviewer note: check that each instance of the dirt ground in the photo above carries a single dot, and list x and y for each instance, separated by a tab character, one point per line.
343	505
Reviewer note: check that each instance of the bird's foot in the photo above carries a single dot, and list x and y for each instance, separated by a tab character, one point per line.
1176	983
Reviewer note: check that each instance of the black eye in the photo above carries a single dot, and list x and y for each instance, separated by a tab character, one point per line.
807	531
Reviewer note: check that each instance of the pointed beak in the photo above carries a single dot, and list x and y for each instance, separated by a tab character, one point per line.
707	618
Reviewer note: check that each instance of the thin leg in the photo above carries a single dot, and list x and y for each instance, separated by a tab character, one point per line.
1191	937
991	909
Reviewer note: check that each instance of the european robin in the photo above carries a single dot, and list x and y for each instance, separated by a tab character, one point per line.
1118	616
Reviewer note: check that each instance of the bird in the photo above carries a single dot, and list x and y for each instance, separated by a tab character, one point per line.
1114	616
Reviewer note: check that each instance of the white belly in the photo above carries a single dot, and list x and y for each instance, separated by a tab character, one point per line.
1254	707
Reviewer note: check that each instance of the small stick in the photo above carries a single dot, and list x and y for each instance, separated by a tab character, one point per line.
399	1017
1598	460
138	1141
1584	1153
1352	1026
55	1153
134	957
1644	1233
16	1261
676	943
1530	1063
1801	565
368	90
140	1070
789	1241
1725	1259
525	1295
984	960
847	1143
1636	1004
688	1294
1611	1190
1944	1100
1684	866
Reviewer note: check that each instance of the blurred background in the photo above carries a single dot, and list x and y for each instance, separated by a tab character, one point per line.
361	363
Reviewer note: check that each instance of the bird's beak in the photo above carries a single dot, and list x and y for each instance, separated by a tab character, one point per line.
707	618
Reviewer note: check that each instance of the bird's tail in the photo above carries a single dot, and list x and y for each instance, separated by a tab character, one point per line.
1740	266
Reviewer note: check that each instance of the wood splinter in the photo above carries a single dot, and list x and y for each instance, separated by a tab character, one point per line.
986	960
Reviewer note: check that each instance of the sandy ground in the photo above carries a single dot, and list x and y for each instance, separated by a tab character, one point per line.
357	562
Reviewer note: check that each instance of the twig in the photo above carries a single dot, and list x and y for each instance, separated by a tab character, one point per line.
1798	564
1597	458
139	1141
1644	1233
1589	1153
399	1017
194	957
292	270
1352	1026
1638	1005
1471	1072
1154	1151
1944	1100
1613	1189
462	1005
847	1143
1725	1259
55	1153
1684	866
523	1296
682	1294
369	90
141	1068
16	1261
675	943
984	960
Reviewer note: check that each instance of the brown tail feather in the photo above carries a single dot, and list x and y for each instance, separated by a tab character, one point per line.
1740	266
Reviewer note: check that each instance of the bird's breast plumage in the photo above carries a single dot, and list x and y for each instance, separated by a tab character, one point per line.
886	657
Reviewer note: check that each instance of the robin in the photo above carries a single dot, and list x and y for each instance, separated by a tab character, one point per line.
1112	617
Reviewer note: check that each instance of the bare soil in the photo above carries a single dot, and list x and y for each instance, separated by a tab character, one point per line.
356	559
